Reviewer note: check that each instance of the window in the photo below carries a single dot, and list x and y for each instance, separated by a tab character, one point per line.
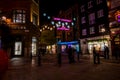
90	4
35	19
91	18
84	32
19	16
100	13
83	20
82	8
92	30
101	26
99	1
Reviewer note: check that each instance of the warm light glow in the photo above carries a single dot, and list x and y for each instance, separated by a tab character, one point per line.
40	30
51	29
113	32
4	18
103	29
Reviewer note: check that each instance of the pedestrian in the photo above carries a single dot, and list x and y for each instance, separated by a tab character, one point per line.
39	56
73	55
69	51
106	53
117	53
96	56
59	59
78	56
5	45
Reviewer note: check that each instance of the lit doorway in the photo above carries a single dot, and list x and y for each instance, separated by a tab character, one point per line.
18	49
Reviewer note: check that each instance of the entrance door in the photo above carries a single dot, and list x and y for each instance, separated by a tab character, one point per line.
18	49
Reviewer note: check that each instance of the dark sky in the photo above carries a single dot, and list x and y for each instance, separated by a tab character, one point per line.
52	7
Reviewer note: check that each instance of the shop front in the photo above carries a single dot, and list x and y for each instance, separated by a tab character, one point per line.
65	45
99	42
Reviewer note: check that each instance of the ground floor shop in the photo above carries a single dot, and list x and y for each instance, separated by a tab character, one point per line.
100	42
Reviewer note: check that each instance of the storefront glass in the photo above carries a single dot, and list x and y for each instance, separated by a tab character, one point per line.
98	44
18	48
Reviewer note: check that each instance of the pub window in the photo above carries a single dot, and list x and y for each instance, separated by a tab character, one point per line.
19	16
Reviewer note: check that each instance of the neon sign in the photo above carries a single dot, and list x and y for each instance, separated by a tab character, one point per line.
62	24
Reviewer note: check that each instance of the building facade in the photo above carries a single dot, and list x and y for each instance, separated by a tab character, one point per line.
114	24
22	17
94	25
69	37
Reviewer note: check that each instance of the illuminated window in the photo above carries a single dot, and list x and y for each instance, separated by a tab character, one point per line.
83	20
19	16
101	26
84	32
100	13
91	18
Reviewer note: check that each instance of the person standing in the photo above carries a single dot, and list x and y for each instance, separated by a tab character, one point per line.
69	51
106	52
96	56
39	56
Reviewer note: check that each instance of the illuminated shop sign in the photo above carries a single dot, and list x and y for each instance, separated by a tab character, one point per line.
62	24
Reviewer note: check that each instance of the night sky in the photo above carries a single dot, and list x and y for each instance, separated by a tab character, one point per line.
52	7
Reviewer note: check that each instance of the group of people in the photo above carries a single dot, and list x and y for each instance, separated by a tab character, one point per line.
96	54
71	53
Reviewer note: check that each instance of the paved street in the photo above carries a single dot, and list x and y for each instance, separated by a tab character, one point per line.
26	69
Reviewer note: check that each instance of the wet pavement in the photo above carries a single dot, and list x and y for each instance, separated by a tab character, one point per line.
28	69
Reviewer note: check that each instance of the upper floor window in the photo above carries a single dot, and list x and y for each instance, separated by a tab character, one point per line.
92	30
99	1
101	27
91	18
84	32
35	19
100	13
82	8
90	4
19	16
83	20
